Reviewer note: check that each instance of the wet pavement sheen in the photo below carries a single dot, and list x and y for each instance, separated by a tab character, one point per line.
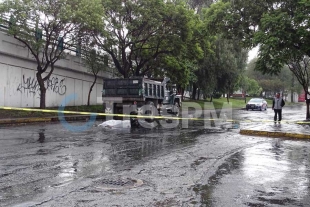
268	174
47	165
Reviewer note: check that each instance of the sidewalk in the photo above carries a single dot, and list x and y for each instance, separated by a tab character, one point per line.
293	124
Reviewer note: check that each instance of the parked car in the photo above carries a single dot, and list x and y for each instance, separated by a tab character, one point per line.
257	103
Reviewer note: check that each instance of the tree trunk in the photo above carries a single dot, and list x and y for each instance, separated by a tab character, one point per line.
198	93
182	93
42	90
42	97
292	95
194	91
307	103
308	115
90	89
227	97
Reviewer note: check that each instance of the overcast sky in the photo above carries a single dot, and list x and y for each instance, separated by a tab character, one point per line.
252	53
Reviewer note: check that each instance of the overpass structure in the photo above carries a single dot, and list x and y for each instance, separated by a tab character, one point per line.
19	87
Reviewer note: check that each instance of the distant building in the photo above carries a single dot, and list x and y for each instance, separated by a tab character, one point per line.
301	97
295	97
238	93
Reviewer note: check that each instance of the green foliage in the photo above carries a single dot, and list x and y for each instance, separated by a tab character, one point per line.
62	22
224	60
251	87
281	28
271	83
140	35
219	103
217	94
229	62
214	15
182	67
56	19
94	60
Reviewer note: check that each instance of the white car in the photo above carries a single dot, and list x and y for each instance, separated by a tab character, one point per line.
257	103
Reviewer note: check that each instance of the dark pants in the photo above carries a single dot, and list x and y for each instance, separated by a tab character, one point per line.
276	113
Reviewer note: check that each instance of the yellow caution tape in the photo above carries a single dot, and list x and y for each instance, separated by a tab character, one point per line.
142	116
97	114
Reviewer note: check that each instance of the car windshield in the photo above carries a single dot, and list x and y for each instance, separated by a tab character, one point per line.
256	100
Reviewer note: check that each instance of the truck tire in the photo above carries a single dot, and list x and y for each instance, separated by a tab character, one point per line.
134	123
149	112
176	108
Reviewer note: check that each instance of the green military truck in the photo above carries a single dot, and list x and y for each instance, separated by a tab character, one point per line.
140	95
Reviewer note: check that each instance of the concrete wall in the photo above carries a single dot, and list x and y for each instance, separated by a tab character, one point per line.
18	85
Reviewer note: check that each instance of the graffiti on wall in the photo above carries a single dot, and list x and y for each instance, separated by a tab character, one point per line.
57	86
30	85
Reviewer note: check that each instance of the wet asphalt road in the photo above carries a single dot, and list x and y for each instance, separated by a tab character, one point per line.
47	165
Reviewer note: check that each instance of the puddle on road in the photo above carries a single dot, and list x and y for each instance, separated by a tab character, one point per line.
139	145
53	158
206	191
131	149
268	174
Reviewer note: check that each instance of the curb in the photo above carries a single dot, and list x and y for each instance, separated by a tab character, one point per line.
24	120
43	119
274	134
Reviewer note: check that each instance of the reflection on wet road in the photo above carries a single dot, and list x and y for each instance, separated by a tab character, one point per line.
275	173
35	159
46	165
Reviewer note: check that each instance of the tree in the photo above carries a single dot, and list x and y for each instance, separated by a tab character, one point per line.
207	67
48	28
301	69
96	62
198	5
139	33
229	62
252	87
182	67
270	83
281	27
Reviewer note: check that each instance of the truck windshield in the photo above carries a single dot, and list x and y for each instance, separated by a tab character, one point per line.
169	99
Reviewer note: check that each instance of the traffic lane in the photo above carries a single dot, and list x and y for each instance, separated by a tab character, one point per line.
168	177
273	173
224	169
54	167
174	165
38	159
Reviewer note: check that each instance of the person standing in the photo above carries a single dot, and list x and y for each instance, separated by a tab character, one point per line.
277	105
